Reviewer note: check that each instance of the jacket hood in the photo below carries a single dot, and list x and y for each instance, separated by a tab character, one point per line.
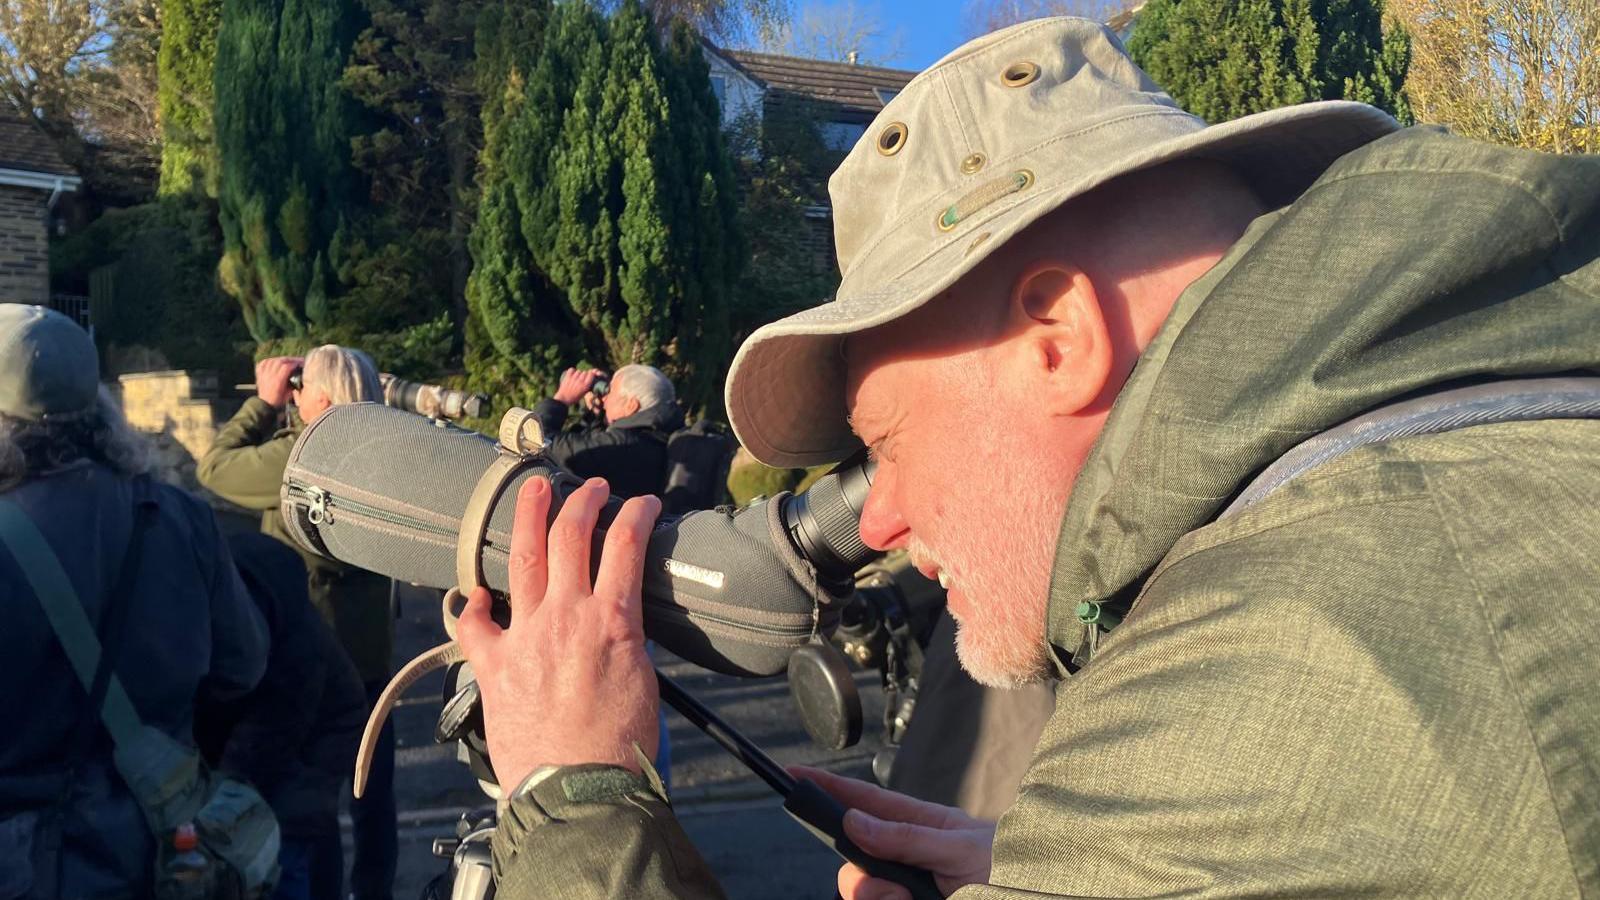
663	417
1417	261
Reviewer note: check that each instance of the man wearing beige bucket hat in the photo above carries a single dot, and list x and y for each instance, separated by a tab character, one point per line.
1132	386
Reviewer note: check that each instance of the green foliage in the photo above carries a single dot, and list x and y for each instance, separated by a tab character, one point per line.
1222	59
186	67
749	479
413	71
419	352
283	129
155	267
783	168
607	224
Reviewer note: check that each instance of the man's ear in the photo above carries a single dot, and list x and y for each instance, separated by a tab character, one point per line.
1066	342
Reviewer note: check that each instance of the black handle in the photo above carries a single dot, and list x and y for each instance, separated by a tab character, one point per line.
822	815
810	805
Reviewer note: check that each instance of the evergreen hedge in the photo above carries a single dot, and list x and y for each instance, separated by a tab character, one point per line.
1222	59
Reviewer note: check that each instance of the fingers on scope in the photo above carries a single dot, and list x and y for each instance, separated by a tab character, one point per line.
529	557
621	577
572	538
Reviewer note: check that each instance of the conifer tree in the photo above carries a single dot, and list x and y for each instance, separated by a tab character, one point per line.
186	67
286	189
413	72
1222	59
607	228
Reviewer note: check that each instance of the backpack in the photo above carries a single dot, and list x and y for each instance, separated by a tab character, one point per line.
698	458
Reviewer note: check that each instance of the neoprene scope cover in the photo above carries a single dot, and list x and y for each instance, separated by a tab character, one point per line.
384	490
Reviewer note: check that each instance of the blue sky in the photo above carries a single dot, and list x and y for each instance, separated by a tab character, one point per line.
931	28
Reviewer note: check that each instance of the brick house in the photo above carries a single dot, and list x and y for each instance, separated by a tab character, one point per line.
842	97
32	178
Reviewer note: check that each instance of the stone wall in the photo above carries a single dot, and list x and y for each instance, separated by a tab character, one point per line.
182	411
24	246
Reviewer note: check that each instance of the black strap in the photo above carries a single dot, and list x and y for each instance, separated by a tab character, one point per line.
113	624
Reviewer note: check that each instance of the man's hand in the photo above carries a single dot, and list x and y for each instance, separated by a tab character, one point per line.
569	682
954	846
272	379
574	384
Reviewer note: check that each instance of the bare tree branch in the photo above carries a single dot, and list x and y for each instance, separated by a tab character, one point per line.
983	16
842	30
1523	72
85	71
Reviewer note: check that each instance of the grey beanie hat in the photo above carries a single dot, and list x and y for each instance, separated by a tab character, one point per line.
48	365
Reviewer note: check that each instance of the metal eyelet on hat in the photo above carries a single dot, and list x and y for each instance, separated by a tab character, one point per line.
892	139
1019	74
973	163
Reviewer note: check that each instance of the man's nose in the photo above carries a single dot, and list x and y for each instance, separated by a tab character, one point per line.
882	527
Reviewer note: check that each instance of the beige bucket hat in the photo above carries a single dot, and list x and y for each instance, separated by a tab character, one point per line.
998	133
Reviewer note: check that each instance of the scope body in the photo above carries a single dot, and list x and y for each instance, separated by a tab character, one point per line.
735	591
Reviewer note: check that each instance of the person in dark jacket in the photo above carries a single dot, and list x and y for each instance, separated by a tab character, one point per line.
245	465
69	827
641	412
292	737
630	452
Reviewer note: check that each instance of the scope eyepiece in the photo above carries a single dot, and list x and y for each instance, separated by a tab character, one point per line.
824	523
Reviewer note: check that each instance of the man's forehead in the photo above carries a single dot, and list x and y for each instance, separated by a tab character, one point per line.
853	357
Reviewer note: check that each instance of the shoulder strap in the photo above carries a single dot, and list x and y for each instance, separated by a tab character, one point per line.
117	599
1490	403
1516	400
44	574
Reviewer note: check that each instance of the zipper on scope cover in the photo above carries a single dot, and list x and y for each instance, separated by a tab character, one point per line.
323	508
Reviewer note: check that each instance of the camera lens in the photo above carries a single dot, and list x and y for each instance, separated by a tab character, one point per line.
601	387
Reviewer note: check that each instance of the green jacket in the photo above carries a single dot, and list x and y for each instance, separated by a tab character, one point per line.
245	466
1380	681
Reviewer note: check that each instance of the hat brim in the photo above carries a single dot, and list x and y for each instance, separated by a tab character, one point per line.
785	390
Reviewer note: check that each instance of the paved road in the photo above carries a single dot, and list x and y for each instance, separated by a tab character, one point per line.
734	819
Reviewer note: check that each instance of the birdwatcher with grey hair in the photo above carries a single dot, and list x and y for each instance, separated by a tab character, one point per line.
245	465
640	411
144	568
1272	445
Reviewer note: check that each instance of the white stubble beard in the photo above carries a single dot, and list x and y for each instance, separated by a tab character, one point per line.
1004	578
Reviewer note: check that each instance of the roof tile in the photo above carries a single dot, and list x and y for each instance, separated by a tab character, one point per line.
23	146
849	86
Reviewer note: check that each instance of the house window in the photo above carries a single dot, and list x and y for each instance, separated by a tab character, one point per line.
842	135
719	86
885	95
